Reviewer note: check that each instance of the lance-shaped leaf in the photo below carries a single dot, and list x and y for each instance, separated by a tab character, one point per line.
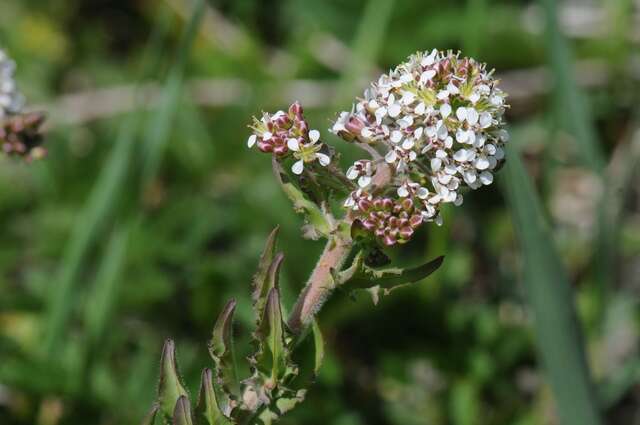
314	215
361	276
207	411
221	349
269	282
170	387
182	412
271	358
266	259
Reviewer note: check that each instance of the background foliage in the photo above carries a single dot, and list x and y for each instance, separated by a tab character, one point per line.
149	212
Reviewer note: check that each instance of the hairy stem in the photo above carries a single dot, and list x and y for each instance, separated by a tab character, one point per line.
320	284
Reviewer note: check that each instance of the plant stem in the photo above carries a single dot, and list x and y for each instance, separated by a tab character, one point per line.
320	284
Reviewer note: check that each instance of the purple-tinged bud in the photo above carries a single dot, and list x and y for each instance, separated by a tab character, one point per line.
407	204
354	125
415	220
295	110
369	224
406	232
387	204
364	204
389	240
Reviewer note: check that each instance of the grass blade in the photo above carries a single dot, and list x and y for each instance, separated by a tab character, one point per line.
549	294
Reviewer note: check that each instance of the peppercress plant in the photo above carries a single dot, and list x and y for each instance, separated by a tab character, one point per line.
432	128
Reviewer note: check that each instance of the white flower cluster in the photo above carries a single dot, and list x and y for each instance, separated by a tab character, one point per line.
11	101
438	121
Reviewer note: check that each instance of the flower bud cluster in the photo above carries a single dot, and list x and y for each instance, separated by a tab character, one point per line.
438	121
287	134
390	220
20	135
11	101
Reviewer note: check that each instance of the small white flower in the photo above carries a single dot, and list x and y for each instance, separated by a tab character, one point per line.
442	94
391	157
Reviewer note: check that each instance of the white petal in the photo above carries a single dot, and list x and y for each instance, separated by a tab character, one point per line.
442	94
418	133
470	176
252	140
391	157
441	154
458	200
420	108
460	155
407	98
396	136
490	149
427	75
412	156
422	193
298	167
448	142
314	136
364	181
394	110
323	159
403	192
442	131
485	119
472	116
499	154
407	144
486	178
475	96
461	136
293	144
461	113
352	173
445	110
481	163
267	135
504	136
471	137
366	132
436	163
444	178
452	88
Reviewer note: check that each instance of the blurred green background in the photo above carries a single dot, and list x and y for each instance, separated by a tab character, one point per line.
150	212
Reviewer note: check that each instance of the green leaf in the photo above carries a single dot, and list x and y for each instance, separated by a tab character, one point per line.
266	259
221	350
269	281
318	341
271	359
361	276
182	412
170	388
207	411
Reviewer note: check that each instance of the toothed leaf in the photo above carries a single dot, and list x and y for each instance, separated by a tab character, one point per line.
225	381
271	359
207	411
269	282
170	387
266	259
361	276
182	412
